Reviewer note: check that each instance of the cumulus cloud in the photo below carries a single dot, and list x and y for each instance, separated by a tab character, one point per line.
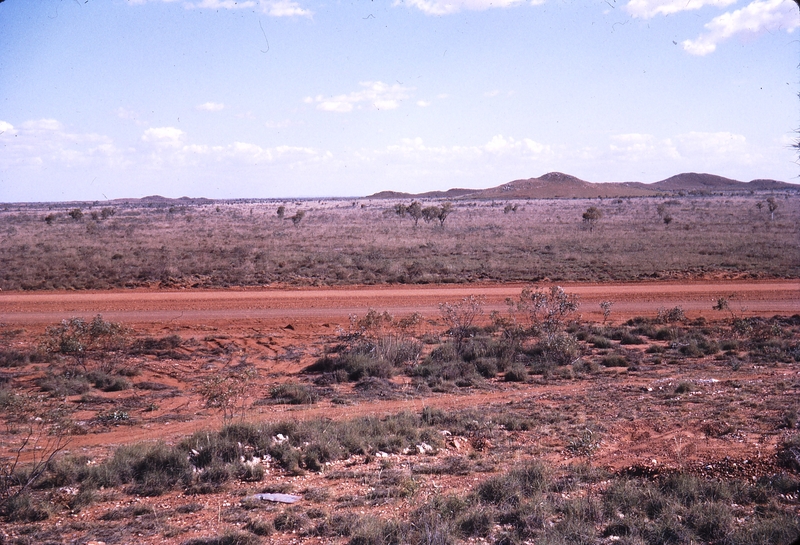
498	145
6	127
379	95
646	9
274	8
244	153
692	150
755	17
423	103
45	141
165	136
711	143
42	125
210	107
446	7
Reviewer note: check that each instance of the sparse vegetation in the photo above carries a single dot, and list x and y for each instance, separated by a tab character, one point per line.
151	246
524	425
591	217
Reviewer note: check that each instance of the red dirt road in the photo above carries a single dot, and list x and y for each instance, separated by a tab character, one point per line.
762	298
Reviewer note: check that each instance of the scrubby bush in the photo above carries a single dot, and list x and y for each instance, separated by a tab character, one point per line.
293	394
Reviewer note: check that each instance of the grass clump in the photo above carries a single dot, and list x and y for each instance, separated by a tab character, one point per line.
293	394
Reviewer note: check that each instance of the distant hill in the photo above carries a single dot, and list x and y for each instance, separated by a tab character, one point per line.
554	185
449	194
560	185
691	181
163	201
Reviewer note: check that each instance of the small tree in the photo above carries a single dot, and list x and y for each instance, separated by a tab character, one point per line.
667	220
460	318
548	310
41	437
400	209
84	340
444	211
605	306
591	217
415	211
298	217
226	391
772	205
430	213
76	214
281	211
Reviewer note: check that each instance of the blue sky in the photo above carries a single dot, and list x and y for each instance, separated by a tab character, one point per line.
225	99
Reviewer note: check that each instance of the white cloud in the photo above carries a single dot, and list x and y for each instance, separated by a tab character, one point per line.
650	8
285	8
42	125
6	127
501	144
423	103
165	136
210	107
44	141
498	145
756	16
245	153
274	8
637	147
376	93
711	143
446	7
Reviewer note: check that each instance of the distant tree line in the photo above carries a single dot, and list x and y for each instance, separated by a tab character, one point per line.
415	211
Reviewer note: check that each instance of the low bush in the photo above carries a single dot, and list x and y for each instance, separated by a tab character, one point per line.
293	394
517	373
614	360
629	338
108	383
62	386
789	452
228	538
598	341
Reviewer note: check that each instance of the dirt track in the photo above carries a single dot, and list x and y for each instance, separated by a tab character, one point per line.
763	298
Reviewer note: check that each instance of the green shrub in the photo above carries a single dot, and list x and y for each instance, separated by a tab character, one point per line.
290	520
24	508
628	338
614	360
259	527
598	341
684	387
228	538
62	386
153	468
477	522
108	383
789	452
517	373
293	394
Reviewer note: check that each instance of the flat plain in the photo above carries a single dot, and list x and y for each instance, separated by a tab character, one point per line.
163	363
